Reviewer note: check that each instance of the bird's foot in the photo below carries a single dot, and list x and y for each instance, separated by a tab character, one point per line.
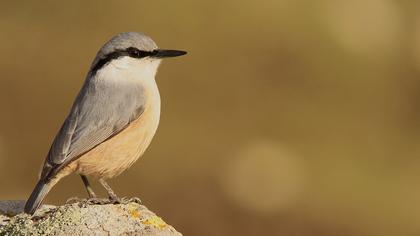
126	200
75	200
114	200
98	201
103	201
89	201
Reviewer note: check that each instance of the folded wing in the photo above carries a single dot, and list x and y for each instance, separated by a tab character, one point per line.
99	112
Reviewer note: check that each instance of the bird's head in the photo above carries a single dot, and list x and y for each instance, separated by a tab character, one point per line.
138	47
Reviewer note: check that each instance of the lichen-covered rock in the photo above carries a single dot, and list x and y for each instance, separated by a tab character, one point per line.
82	219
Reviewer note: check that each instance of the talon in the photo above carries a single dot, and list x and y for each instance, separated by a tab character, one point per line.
126	200
135	199
98	201
115	200
92	201
74	200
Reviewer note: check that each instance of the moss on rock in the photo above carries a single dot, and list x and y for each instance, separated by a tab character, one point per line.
82	219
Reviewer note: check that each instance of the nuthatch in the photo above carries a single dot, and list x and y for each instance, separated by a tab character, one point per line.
112	120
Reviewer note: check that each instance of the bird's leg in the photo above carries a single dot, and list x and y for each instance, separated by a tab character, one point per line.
92	196
112	196
88	187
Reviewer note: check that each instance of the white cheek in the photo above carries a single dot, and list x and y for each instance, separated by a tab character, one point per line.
149	66
127	68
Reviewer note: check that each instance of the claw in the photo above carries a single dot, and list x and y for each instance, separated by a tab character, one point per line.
115	200
74	200
126	200
89	201
103	201
98	201
135	199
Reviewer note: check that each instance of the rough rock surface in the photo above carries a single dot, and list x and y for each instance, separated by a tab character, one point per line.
82	219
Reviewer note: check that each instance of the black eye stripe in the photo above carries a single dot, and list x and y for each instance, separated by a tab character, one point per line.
130	52
136	53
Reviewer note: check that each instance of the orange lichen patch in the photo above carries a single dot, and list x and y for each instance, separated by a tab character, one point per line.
155	221
135	213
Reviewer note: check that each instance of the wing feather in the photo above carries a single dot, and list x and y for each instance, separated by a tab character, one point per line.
101	110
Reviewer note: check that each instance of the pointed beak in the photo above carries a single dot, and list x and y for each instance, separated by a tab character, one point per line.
162	53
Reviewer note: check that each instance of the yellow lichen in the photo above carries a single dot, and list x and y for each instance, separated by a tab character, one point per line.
155	221
135	213
133	210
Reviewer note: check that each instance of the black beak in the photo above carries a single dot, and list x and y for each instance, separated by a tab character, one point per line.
161	53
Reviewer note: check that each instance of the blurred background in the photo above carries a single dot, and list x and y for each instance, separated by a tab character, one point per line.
290	117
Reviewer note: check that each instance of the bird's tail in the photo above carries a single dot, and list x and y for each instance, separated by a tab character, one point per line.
38	194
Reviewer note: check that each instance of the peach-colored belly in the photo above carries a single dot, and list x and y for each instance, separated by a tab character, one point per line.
117	154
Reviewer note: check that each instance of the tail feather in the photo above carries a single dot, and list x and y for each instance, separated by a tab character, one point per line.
38	194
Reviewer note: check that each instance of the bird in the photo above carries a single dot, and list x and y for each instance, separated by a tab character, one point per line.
112	120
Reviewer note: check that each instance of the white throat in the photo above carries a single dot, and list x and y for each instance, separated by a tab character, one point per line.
132	72
139	69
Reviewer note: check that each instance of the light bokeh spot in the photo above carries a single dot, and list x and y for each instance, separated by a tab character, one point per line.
2	152
416	43
263	177
363	26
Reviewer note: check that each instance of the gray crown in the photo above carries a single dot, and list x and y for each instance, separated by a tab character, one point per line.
128	39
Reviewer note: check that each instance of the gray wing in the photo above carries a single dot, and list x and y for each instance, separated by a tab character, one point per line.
101	110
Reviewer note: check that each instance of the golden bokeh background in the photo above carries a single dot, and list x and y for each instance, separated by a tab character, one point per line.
288	117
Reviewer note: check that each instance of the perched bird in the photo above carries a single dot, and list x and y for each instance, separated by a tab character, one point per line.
113	119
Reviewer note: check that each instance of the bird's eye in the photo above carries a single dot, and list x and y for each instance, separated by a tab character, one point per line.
134	52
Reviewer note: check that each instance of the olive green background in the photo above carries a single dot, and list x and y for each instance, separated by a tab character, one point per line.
287	117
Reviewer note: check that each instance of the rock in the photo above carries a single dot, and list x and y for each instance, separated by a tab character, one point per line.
82	219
